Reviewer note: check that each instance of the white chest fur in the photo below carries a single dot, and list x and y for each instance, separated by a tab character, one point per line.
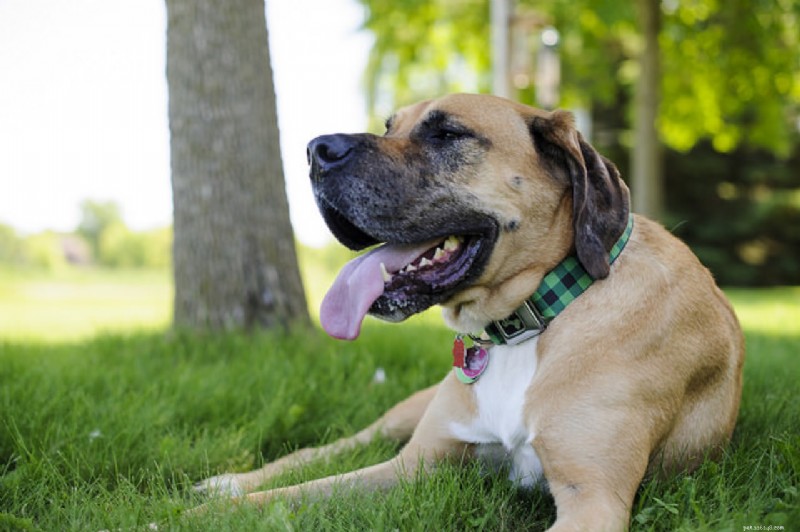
503	439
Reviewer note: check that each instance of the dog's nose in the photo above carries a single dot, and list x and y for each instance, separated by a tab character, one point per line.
328	152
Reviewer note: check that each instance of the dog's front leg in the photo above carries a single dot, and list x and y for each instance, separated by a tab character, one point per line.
377	477
397	424
432	442
373	478
423	452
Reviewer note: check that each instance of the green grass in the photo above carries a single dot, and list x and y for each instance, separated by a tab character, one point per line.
111	431
76	303
70	304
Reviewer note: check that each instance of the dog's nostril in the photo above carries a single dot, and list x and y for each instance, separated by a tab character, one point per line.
329	150
332	153
324	153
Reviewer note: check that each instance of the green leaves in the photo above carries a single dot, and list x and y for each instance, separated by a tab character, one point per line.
729	74
423	49
731	70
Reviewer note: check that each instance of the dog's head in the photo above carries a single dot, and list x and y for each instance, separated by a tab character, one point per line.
474	199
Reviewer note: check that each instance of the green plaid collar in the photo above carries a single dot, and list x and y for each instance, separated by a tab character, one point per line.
558	289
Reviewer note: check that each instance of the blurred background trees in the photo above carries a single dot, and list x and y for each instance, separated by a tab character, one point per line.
727	115
728	107
102	238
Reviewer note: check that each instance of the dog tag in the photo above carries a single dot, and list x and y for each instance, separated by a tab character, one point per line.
470	363
459	351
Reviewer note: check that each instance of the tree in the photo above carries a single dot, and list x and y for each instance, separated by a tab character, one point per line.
96	217
12	247
728	70
647	183
731	74
234	260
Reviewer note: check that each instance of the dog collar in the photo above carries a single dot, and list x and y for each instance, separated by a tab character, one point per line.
560	287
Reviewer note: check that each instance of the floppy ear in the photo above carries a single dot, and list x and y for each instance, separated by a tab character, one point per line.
600	199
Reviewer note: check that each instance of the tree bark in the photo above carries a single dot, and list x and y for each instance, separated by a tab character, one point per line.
646	157
235	263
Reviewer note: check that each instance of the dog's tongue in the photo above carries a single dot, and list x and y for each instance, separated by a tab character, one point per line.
359	284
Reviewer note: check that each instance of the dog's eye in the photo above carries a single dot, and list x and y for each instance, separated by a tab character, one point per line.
447	135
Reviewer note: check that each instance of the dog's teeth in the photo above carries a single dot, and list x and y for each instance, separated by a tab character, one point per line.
410	268
425	262
386	275
451	244
439	254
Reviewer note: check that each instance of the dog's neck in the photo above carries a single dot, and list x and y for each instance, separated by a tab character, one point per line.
562	285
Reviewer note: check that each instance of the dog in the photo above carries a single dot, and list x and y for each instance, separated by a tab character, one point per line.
592	349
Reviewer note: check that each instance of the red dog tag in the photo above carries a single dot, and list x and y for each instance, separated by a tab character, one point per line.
458	352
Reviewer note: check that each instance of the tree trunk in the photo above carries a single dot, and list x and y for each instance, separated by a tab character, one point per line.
235	264
501	14
646	158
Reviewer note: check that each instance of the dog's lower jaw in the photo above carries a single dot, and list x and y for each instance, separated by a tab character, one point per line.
471	317
473	309
461	317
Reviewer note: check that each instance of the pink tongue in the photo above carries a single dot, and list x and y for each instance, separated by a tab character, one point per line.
359	284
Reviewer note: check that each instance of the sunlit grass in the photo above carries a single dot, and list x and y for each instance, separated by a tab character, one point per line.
768	310
76	303
71	304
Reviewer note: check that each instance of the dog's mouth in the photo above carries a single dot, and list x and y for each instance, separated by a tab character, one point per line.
398	278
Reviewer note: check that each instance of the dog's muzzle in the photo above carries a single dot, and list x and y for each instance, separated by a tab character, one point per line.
435	243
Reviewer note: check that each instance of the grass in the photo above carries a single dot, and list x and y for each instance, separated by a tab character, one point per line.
76	303
111	431
71	304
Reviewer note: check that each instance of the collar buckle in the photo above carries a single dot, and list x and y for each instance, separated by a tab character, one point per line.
524	323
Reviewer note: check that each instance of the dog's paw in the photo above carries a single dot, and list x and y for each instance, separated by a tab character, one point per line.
220	486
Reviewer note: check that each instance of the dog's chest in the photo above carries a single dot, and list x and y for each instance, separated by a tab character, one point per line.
499	428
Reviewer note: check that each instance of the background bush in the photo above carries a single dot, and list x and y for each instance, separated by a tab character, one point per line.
740	212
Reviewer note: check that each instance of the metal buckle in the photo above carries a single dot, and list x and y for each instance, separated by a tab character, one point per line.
525	323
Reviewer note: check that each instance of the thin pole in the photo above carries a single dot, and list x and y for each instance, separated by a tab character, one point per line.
501	22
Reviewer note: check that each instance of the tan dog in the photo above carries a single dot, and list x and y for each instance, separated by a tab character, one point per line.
482	197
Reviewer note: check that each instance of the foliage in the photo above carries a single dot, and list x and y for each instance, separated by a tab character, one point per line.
96	217
731	74
425	48
102	228
12	246
118	246
740	212
42	250
730	69
111	433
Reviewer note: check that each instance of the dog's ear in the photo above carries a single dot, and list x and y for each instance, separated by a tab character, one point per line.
600	199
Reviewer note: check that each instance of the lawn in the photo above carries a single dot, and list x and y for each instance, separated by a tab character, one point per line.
72	304
110	431
77	303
